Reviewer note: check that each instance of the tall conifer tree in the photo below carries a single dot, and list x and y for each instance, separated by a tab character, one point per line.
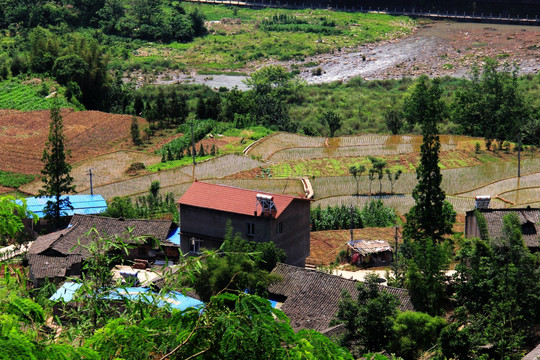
56	171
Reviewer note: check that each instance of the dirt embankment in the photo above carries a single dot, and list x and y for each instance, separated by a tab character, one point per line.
89	133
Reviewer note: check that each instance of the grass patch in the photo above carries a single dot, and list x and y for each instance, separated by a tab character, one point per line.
252	132
177	163
240	36
14	180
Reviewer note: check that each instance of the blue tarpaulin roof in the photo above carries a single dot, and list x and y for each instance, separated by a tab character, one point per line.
173	299
82	204
174	236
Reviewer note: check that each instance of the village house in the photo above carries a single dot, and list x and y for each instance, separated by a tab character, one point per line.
310	298
62	253
205	209
528	217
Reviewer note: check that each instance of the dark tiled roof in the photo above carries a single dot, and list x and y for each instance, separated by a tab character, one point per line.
43	266
494	221
231	199
534	354
313	296
43	242
66	241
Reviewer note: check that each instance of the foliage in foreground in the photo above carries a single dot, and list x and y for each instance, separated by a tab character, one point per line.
373	323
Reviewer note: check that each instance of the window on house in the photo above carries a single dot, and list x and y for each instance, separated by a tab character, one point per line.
250	229
280	228
195	245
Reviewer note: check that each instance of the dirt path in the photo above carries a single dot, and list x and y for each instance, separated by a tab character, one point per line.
435	49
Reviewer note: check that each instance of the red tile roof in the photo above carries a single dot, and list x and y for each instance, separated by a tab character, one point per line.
231	199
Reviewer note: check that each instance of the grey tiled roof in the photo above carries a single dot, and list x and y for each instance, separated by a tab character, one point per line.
534	354
313	296
52	254
43	266
67	241
44	242
494	221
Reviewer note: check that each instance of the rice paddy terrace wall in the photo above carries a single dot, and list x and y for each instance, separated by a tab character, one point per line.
497	177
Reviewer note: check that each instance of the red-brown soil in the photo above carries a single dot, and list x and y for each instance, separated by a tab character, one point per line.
89	133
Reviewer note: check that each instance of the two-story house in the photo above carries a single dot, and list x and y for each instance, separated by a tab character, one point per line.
206	208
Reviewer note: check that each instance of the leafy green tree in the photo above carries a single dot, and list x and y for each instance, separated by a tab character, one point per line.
271	86
369	319
356	171
425	277
377	167
121	207
12	215
393	119
44	49
394	178
332	120
236	271
56	171
415	332
491	103
497	292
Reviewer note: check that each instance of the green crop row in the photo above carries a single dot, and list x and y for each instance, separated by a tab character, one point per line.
14	180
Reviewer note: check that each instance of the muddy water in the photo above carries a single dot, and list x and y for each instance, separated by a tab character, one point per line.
437	49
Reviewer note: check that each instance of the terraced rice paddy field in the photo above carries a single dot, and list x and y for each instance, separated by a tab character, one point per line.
277	162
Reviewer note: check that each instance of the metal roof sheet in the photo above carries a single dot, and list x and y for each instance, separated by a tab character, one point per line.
82	204
173	299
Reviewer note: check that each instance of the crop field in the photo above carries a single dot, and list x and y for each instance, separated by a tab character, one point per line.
461	180
503	186
89	134
28	95
522	195
105	168
278	141
285	147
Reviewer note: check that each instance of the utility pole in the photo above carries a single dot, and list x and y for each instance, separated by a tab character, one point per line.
89	172
352	223
519	155
192	123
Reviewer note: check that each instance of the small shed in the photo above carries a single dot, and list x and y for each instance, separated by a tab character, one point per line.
370	252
